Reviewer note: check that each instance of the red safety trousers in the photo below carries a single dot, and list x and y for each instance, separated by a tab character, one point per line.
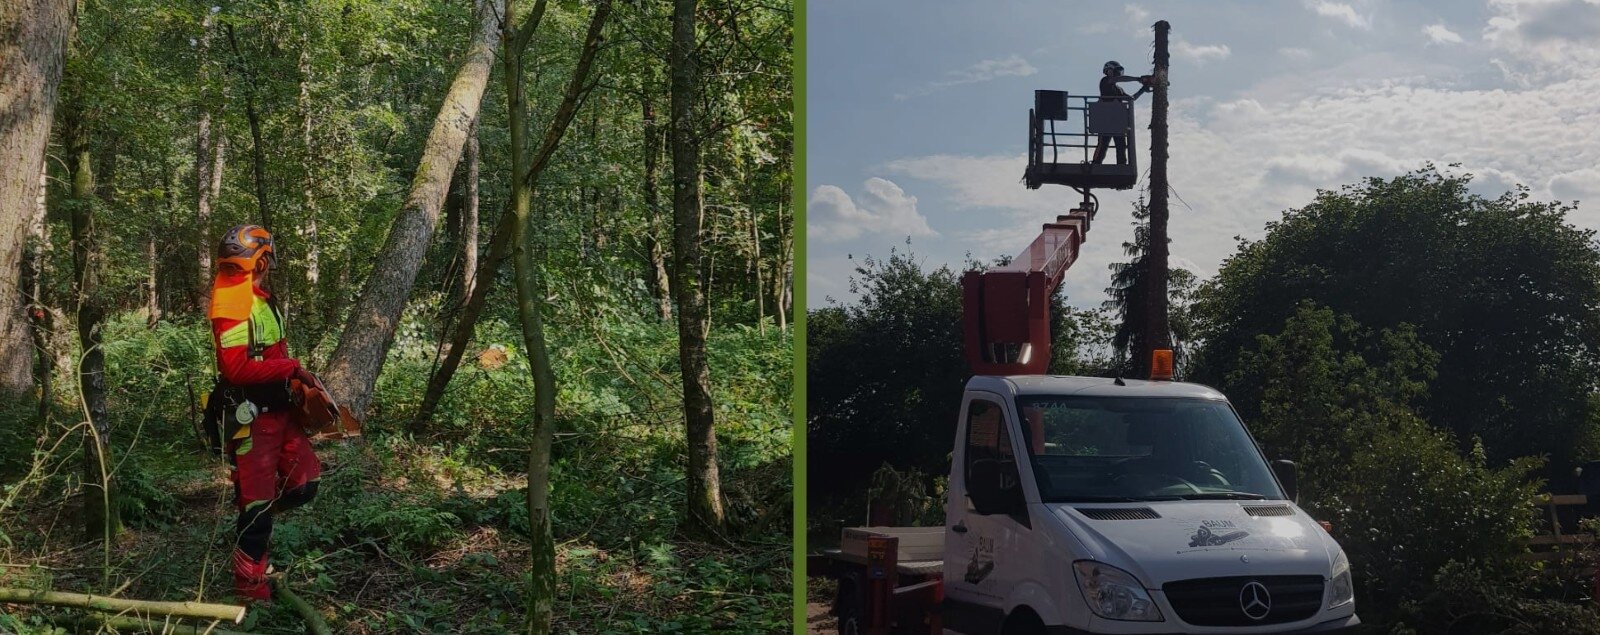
273	467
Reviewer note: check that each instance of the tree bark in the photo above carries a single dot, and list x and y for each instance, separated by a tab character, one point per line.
694	322
660	279
39	316
308	186
353	369
152	298
469	215
32	55
782	271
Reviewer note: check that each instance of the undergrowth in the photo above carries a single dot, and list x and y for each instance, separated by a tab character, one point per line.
422	529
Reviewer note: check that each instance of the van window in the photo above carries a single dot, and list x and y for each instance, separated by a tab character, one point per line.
987	439
1125	448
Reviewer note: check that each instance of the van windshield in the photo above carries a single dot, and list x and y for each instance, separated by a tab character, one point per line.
1111	449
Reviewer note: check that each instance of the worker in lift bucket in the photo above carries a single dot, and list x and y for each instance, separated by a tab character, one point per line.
274	469
1111	75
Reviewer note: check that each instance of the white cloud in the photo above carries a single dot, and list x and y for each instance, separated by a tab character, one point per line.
1240	163
1441	34
1200	54
882	208
1341	12
1295	52
1544	38
983	71
1136	14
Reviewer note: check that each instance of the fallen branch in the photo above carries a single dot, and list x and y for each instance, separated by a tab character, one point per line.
314	622
228	612
142	625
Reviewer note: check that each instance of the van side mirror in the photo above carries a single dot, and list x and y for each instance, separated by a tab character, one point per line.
1286	472
992	489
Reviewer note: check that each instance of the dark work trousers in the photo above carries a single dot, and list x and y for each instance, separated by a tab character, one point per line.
1122	148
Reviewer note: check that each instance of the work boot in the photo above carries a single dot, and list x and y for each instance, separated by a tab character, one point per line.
250	577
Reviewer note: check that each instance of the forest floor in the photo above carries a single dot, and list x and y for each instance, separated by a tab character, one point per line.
426	534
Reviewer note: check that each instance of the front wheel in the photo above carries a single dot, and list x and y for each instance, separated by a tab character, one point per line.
1022	622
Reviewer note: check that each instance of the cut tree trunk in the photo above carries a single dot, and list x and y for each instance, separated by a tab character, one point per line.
694	320
1156	334
32	54
353	369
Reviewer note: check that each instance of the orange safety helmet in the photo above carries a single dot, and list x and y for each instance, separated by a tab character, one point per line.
247	247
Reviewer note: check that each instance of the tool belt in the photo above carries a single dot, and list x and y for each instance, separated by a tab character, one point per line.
230	407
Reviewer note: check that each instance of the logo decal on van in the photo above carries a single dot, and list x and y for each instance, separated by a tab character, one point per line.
1215	533
982	562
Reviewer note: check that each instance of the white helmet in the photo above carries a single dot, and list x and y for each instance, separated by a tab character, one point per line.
1112	68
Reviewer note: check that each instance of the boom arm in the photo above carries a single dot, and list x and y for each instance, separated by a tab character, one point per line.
1006	310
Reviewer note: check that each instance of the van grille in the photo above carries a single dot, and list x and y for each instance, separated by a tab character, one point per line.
1118	513
1215	601
1268	510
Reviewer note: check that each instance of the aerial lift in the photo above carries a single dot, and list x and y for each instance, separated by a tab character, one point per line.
1006	309
893	576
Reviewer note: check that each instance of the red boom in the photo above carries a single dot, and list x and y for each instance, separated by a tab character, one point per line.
1006	310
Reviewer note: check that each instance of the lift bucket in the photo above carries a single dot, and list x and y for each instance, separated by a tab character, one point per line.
1007	308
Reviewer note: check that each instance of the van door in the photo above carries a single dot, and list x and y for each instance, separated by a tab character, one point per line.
984	533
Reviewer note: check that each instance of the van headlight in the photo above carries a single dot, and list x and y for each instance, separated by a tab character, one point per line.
1342	591
1114	594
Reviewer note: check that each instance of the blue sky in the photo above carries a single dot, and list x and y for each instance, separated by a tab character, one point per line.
917	116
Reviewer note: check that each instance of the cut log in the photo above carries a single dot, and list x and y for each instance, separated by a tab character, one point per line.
228	612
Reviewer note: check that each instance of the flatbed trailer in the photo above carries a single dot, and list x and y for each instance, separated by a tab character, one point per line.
890	580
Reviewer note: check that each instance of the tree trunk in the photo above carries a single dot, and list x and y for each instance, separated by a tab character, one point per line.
530	287
353	369
152	299
694	323
781	273
39	316
755	270
660	280
208	148
1156	331
99	495
308	186
467	318
32	55
469	215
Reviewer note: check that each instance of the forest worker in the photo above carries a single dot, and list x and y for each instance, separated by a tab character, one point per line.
273	467
1110	76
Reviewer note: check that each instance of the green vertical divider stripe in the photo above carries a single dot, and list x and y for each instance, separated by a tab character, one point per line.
799	308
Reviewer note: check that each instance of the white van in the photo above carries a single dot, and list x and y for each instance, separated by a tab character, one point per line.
1082	504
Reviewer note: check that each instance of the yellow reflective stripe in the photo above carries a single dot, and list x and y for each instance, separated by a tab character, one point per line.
239	335
268	330
244	447
244	432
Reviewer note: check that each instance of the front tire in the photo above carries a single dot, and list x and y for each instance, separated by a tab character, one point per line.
1022	622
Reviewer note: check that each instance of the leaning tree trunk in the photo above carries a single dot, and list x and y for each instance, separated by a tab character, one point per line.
694	320
353	369
32	53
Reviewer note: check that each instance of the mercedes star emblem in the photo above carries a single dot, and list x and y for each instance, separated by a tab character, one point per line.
1255	601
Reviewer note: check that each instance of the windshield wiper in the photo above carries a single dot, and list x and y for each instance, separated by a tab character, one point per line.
1223	496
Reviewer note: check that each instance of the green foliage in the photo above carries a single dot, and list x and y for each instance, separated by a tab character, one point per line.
1501	289
1466	597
